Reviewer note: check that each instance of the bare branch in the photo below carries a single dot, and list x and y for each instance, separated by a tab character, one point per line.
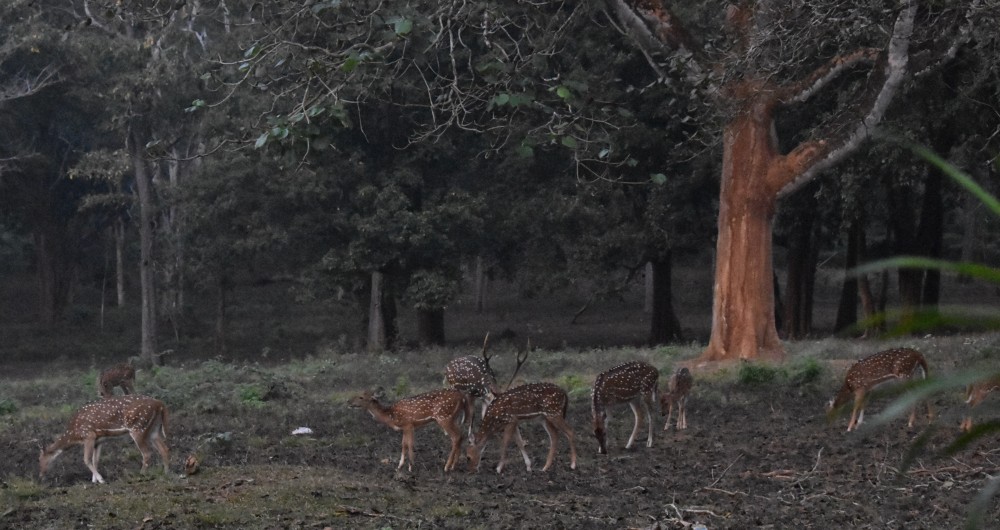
23	85
822	76
820	155
654	28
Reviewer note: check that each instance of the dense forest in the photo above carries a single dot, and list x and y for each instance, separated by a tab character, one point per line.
157	157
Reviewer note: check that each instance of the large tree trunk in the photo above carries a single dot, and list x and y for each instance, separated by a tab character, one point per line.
430	327
147	274
664	325
743	321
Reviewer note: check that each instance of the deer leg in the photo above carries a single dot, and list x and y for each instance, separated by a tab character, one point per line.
456	441
670	413
402	453
410	442
88	459
635	428
859	406
647	405
141	441
553	442
507	433
562	425
682	416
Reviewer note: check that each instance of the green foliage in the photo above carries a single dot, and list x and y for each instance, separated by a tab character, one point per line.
251	395
757	374
807	370
574	385
7	406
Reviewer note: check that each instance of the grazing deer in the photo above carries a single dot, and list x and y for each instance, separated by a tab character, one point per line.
678	388
121	375
441	406
633	383
142	417
872	371
543	400
976	393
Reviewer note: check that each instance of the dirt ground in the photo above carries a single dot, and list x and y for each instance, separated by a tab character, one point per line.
754	456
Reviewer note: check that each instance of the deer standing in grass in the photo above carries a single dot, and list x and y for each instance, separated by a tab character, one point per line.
473	376
976	393
442	406
121	375
678	388
633	383
900	364
543	400
144	418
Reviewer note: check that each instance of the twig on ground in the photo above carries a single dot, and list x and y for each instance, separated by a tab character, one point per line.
724	471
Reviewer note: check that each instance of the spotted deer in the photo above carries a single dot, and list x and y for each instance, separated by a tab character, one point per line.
678	389
473	376
975	394
441	406
121	375
899	364
633	383
535	400
142	417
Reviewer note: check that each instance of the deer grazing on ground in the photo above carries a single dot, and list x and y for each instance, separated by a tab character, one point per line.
890	365
442	406
678	388
633	383
976	393
144	418
121	375
543	400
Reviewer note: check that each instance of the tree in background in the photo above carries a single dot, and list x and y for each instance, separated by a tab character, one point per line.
773	56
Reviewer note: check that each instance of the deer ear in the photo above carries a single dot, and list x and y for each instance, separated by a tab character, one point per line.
379	393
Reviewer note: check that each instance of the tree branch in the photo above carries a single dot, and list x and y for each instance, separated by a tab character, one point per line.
654	28
820	155
24	85
804	89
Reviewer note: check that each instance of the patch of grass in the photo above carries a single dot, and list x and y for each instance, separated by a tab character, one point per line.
757	374
807	370
574	385
22	488
251	396
402	386
7	406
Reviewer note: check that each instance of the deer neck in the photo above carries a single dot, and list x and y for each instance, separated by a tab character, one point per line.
383	414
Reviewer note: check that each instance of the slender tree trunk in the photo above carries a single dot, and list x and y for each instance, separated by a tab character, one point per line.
931	237
221	320
45	273
377	333
480	285
847	309
120	261
664	325
147	274
650	297
430	327
801	275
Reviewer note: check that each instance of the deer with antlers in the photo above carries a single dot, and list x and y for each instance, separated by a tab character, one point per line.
899	364
976	393
121	375
536	400
633	383
474	376
678	389
142	417
441	406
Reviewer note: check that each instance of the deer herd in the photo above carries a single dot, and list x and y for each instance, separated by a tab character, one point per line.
471	378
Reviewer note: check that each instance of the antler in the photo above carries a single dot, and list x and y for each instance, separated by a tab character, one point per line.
520	362
486	341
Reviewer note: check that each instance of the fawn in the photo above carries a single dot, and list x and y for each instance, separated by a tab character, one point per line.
543	400
633	383
441	406
678	388
874	370
121	375
976	393
142	417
